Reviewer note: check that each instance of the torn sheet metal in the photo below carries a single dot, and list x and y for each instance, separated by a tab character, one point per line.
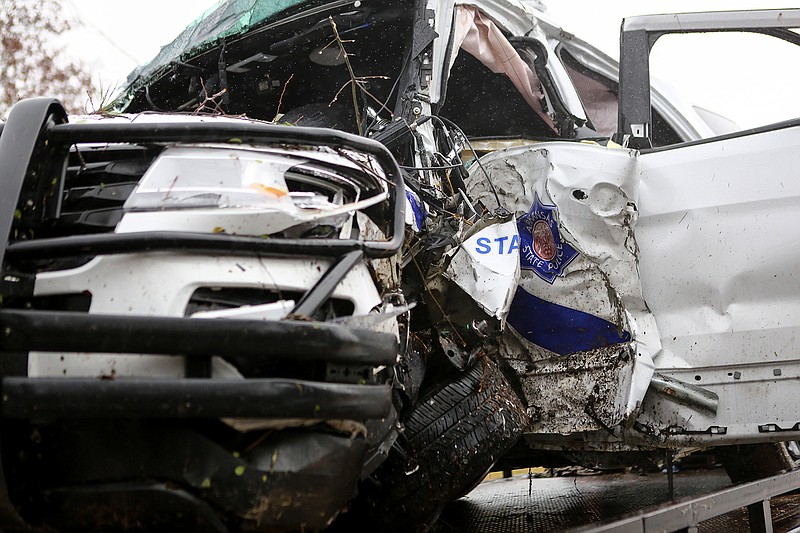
584	392
577	313
486	266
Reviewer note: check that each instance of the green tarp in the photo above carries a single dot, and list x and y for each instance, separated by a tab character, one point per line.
228	18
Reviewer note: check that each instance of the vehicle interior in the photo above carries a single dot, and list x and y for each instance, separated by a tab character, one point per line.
263	74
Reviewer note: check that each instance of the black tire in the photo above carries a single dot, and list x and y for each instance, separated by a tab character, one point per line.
452	438
749	462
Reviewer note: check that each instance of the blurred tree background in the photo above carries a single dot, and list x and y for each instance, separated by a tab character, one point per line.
32	62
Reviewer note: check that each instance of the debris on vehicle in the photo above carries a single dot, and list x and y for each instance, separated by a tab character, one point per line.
326	263
578	292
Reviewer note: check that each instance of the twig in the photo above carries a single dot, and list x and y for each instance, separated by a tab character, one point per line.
280	100
353	78
360	86
364	167
213	99
359	81
435	301
356	82
104	105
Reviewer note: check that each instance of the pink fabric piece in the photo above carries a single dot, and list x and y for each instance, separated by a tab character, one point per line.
600	102
481	38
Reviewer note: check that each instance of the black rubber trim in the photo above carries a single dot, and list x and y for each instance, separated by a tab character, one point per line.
321	291
191	398
65	331
777	126
200	243
17	145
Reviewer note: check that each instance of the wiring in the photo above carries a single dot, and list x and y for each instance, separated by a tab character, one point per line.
377	118
440	167
477	159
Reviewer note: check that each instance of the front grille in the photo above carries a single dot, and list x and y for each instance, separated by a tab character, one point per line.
221	298
97	183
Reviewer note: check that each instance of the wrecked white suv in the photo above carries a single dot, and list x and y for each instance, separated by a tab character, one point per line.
349	316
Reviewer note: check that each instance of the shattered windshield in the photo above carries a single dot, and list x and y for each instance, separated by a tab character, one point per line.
264	59
228	18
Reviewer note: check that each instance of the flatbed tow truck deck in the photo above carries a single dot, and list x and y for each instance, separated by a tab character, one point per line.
704	502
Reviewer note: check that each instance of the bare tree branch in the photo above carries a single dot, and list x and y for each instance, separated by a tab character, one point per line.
31	63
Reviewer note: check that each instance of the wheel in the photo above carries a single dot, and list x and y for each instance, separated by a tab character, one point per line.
452	438
749	462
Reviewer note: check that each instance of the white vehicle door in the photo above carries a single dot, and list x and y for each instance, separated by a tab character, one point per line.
719	253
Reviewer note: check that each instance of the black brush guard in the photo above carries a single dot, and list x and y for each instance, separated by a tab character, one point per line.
36	132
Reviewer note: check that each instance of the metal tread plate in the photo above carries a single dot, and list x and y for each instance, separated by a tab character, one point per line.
523	504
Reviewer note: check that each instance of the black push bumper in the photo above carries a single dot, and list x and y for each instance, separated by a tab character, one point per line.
296	478
34	145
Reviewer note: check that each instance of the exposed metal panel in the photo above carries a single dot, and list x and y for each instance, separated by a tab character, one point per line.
687	22
717	268
719	272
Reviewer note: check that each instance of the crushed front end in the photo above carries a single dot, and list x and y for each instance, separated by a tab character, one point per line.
201	321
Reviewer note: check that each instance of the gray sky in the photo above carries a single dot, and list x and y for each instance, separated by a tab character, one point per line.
599	22
751	79
732	76
116	37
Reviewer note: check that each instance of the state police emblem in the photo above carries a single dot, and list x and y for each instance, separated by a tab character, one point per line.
541	247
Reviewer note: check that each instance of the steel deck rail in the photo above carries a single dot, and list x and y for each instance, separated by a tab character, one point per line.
686	515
